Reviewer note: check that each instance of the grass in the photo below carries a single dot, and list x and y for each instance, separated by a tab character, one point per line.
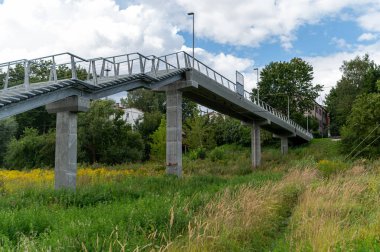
309	200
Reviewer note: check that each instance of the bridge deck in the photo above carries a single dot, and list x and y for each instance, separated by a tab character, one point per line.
212	89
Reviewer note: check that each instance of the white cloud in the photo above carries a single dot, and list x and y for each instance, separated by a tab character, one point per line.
251	22
367	37
369	20
89	28
326	68
341	43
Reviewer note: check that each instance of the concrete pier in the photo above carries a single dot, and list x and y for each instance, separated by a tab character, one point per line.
174	131
255	145
284	145
65	171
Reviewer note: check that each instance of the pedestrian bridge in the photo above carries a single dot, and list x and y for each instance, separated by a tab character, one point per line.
70	82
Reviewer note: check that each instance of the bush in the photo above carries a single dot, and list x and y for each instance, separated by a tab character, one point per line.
104	137
328	167
31	150
199	153
217	154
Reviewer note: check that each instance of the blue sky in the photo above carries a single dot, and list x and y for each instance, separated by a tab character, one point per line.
230	35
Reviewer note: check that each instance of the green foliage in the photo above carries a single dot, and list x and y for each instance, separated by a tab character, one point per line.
158	143
104	137
198	153
362	124
227	130
328	167
294	79
38	119
189	109
111	215
359	76
145	100
31	150
146	127
218	153
8	128
198	133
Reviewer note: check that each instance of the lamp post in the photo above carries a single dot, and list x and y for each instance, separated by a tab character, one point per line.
192	14
257	74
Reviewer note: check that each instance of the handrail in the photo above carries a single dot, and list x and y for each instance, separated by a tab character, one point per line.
146	64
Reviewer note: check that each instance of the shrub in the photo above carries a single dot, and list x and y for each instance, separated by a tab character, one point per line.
217	154
328	167
31	150
199	153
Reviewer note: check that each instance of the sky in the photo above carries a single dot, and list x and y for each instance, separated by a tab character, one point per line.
229	35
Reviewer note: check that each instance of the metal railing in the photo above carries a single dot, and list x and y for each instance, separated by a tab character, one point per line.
23	73
184	60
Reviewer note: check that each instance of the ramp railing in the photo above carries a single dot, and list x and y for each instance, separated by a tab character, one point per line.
49	70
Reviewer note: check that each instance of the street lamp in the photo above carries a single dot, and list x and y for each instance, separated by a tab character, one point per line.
192	14
257	74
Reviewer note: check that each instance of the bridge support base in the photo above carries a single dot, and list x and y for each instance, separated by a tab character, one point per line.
284	145
255	145
65	171
174	131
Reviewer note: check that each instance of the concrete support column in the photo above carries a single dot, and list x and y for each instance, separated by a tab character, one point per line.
255	145
174	131
66	139
66	150
284	145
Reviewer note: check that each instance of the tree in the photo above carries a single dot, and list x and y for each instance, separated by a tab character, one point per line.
293	79
104	137
146	127
8	128
359	76
31	150
363	125
199	133
158	143
230	131
145	100
38	119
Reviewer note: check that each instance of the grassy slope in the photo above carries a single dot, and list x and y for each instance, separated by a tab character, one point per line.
308	200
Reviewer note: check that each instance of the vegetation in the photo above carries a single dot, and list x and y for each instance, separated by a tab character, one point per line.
362	132
359	76
282	80
310	200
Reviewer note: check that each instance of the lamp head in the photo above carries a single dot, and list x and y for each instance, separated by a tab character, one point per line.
190	13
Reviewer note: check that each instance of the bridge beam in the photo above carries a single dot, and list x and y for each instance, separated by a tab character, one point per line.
255	145
65	170
174	131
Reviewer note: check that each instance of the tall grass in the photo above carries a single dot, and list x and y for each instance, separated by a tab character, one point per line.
246	218
309	200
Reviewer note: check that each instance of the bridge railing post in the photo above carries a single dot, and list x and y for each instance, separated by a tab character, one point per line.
6	80
73	68
26	74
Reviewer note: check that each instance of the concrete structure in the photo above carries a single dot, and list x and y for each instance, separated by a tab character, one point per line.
174	131
66	139
173	74
255	145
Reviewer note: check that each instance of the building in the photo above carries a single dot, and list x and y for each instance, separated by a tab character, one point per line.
321	114
131	115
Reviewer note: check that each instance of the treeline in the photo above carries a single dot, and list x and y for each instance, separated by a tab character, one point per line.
28	139
354	106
